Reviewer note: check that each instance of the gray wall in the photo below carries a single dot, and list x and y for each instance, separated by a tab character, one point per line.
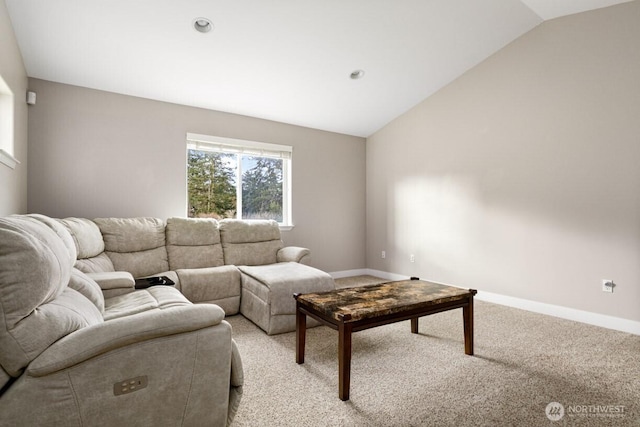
522	178
95	154
13	182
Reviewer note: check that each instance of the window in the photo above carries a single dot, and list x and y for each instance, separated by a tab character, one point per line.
231	178
6	125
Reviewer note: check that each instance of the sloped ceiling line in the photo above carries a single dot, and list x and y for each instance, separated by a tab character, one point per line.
288	61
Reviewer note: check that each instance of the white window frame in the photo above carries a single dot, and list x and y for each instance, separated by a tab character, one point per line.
6	126
262	149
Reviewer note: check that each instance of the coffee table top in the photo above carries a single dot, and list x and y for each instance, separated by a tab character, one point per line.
365	302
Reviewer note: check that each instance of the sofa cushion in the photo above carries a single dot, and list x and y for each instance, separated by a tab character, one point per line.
254	242
136	245
218	285
88	287
37	307
193	243
60	231
275	284
86	236
155	297
97	264
89	245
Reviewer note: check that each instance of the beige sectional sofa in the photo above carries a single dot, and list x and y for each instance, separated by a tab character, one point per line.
80	345
72	355
242	266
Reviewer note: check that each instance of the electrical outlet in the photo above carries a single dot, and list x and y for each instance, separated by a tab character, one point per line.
383	255
412	258
607	285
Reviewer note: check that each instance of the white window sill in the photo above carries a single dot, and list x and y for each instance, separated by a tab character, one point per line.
8	159
286	227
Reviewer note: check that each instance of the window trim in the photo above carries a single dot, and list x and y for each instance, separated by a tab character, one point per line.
6	126
245	147
240	146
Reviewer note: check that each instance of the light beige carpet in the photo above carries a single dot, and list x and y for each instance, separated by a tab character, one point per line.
523	362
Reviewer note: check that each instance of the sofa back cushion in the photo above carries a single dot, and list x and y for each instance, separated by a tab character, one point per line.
254	242
37	307
136	245
88	287
59	230
193	243
89	245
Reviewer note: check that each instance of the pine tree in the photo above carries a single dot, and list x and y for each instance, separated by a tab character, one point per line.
262	189
211	185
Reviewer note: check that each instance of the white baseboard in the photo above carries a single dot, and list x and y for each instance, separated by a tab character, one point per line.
350	273
602	320
588	317
367	272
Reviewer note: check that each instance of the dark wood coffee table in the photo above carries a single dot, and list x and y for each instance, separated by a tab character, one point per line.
355	309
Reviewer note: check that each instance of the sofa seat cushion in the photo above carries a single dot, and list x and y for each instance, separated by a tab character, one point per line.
193	243
153	298
218	285
275	284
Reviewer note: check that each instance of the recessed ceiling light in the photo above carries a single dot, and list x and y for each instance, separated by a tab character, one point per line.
357	74
202	25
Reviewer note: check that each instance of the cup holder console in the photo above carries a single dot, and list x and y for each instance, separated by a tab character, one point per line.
154	281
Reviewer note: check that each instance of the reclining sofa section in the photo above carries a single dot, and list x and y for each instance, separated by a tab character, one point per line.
69	355
242	266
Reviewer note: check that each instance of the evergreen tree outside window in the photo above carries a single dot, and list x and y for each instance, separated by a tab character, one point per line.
228	178
211	184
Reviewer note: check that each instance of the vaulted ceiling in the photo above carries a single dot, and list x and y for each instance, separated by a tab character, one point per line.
283	60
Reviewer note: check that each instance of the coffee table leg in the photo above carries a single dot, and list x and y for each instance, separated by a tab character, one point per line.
467	314
344	360
301	333
414	325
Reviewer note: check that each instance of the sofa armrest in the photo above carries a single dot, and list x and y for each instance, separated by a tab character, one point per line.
237	382
92	341
114	283
293	254
237	371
